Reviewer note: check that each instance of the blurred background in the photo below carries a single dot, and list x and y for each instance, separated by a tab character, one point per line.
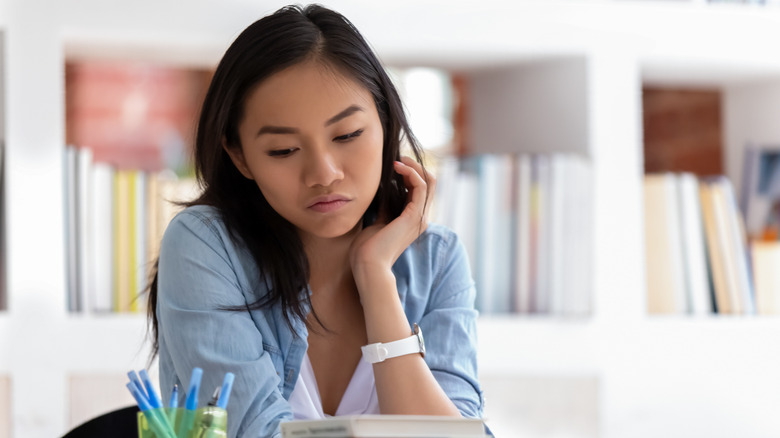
610	165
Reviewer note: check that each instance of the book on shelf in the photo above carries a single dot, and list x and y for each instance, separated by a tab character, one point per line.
522	246
494	214
385	426
695	246
760	192
716	257
3	301
759	202
123	238
540	229
114	221
101	239
727	242
665	276
765	258
71	227
577	231
697	284
82	207
526	222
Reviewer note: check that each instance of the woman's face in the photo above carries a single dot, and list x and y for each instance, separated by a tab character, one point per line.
311	139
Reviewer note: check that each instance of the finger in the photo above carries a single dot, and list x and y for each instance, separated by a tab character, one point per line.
413	178
429	178
409	161
416	185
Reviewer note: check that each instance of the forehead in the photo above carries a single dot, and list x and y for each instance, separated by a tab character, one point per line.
309	91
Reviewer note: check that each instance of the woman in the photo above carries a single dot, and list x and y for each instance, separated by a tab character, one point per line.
309	254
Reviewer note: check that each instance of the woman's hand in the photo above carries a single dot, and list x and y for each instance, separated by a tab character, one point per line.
378	246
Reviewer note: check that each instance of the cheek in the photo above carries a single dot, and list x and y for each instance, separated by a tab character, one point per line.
371	164
275	186
374	154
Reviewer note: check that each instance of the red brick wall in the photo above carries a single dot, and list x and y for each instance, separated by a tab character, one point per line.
130	114
682	131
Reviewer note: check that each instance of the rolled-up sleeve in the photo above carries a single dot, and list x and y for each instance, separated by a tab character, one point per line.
197	280
449	326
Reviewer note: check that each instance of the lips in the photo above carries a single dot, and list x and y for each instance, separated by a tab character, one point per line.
328	203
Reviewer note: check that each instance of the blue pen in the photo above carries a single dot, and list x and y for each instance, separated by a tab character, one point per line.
224	394
192	392
154	399
174	402
155	423
191	404
137	383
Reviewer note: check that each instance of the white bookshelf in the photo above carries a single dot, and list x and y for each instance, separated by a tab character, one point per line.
586	62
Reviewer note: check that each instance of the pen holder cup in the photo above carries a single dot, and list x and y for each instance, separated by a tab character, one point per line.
206	422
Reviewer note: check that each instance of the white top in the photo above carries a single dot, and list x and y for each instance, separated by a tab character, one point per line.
359	397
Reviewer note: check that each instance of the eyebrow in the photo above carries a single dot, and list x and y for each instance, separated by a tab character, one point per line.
352	109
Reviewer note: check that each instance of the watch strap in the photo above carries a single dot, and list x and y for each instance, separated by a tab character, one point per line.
378	352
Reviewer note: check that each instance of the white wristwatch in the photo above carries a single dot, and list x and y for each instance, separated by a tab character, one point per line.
379	351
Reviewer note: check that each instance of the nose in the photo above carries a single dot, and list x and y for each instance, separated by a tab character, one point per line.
323	168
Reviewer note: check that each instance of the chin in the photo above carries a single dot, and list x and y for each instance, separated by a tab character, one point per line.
334	231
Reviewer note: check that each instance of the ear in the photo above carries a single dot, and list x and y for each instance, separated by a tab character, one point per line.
237	157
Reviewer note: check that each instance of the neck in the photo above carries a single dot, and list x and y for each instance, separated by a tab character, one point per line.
329	262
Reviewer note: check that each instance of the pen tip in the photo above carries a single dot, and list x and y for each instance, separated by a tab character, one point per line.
215	396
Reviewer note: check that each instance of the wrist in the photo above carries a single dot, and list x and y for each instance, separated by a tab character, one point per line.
373	275
380	351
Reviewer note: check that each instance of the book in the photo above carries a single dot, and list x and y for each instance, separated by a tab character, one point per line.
71	227
715	239
102	238
83	225
464	221
123	236
3	297
697	281
737	244
540	233
760	192
522	251
560	173
766	259
494	242
385	426
578	238
485	268
665	278
727	247
570	227
446	195
137	238
503	241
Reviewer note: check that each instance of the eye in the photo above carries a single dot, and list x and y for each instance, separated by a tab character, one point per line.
348	137
281	152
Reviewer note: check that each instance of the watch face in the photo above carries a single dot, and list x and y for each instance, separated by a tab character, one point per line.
418	332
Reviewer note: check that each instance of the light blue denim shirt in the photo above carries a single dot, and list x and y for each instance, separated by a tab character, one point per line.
202	270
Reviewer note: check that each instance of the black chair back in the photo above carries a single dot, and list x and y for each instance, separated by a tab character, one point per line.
122	423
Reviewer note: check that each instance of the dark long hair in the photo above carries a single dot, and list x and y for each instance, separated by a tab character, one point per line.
287	37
